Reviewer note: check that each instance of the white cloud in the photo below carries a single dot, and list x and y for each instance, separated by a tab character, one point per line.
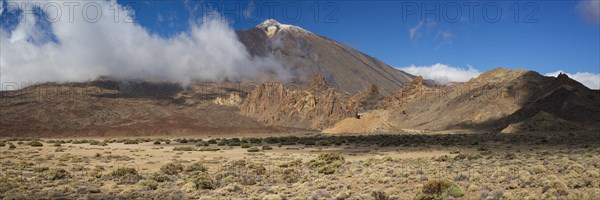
447	36
590	10
442	73
207	52
590	80
413	33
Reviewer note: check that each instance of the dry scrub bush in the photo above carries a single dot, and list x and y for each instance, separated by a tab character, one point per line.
153	185
439	190
172	168
327	163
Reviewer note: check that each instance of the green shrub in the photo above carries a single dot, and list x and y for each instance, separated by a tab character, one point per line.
55	174
12	146
267	148
207	149
56	144
131	142
197	166
246	145
287	143
326	169
172	168
474	156
439	190
379	195
253	149
40	169
292	163
327	163
124	171
159	177
202	143
212	141
167	141
233	144
94	142
156	142
203	182
183	141
149	183
36	143
323	143
184	148
510	156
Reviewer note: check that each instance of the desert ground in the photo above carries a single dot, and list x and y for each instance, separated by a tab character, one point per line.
311	166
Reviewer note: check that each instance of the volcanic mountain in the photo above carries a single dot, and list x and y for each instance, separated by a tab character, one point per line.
305	53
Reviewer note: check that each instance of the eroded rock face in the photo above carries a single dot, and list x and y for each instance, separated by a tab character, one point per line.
404	95
273	104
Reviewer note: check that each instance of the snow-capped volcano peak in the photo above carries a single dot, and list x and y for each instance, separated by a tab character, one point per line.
271	27
268	23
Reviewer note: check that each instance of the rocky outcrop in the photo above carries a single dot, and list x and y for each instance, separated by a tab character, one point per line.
273	104
413	91
233	100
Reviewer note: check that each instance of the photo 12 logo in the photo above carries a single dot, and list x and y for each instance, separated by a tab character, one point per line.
286	11
89	11
93	11
471	11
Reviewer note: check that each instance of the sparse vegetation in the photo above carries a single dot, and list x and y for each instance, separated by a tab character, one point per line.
36	143
253	149
327	163
204	182
439	190
54	174
159	177
184	148
365	171
172	168
124	171
153	185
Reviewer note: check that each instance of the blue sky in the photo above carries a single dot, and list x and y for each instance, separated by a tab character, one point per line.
545	36
465	37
